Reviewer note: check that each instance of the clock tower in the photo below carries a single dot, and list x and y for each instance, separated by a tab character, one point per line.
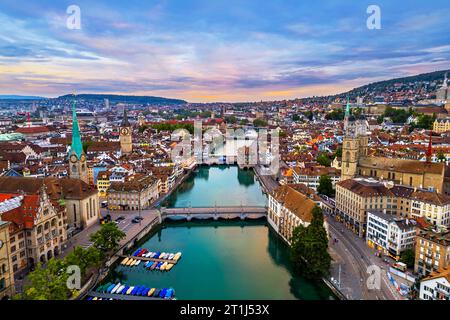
126	144
77	158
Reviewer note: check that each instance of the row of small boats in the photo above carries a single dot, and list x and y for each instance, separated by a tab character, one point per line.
123	289
149	265
142	252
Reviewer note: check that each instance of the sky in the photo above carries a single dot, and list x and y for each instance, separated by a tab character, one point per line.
217	50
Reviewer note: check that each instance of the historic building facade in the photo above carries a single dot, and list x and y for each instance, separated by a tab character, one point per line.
6	270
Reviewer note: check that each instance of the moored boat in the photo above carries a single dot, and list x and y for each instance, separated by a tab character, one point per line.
177	256
124	261
116	288
150	292
109	289
119	291
153	266
169	266
171	256
124	291
162	293
169	293
156	293
135	290
129	290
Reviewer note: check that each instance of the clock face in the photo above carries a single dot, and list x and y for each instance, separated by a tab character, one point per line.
124	131
83	158
73	158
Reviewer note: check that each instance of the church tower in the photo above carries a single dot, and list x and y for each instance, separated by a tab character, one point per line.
77	159
354	145
126	144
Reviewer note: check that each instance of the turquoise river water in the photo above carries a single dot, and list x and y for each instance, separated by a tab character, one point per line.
222	259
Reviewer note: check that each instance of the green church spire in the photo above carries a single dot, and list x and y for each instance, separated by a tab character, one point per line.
347	109
77	145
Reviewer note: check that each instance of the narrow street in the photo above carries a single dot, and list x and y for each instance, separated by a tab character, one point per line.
355	257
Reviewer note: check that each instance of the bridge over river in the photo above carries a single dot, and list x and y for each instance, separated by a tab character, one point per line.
229	212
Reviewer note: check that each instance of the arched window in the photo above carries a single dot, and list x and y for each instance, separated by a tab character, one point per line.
46	225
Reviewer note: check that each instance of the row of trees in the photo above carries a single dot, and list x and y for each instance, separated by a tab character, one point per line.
49	282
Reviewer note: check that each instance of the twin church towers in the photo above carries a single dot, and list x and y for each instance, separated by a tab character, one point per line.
78	168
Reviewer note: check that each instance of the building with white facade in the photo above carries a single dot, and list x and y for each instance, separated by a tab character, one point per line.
436	286
390	234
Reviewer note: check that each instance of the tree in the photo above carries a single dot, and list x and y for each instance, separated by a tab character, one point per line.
107	238
325	186
408	257
84	258
230	119
338	153
425	121
441	157
309	248
295	117
337	114
323	160
260	123
47	283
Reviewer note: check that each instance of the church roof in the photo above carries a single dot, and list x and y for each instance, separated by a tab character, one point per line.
402	165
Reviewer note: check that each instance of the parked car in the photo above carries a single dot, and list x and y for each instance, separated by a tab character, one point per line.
135	220
120	218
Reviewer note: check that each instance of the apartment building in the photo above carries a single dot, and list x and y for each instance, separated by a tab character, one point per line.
354	197
288	208
390	234
432	251
137	192
311	176
441	125
434	207
436	286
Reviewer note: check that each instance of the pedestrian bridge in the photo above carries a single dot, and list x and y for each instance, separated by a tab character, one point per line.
229	212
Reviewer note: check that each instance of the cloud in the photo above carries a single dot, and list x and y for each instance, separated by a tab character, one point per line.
215	50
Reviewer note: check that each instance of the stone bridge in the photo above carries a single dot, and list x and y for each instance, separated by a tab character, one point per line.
230	212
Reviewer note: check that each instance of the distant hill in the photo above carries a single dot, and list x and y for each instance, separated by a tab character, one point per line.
387	85
17	97
113	98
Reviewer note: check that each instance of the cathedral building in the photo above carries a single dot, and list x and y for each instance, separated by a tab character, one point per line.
356	162
77	158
